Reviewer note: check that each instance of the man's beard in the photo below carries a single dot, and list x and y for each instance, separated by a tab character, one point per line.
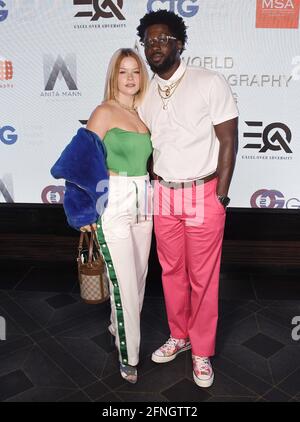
165	65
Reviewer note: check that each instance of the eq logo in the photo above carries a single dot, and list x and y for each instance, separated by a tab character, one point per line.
59	69
185	8
275	137
53	194
6	70
102	9
271	198
265	198
7	135
3	12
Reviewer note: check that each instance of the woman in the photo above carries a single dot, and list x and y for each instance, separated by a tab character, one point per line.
125	228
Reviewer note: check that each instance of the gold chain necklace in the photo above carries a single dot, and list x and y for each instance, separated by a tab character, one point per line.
126	107
166	93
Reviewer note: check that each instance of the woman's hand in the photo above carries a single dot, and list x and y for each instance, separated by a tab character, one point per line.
88	227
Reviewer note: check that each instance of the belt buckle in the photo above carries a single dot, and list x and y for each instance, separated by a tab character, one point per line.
165	183
172	185
199	182
177	185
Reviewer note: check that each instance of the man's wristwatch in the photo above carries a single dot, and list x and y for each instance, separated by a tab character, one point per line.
224	200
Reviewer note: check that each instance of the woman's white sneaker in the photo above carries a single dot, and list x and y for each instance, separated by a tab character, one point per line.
170	350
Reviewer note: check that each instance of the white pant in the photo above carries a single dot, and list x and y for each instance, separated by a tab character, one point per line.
124	232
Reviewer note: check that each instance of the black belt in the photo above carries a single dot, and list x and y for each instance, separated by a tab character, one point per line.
182	185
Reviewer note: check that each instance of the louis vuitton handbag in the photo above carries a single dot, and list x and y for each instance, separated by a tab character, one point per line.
91	269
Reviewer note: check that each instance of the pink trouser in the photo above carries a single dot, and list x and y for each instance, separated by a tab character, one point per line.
189	227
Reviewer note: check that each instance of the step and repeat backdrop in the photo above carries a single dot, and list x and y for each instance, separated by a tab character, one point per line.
53	59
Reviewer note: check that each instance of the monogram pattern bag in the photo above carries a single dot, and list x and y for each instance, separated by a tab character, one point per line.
91	269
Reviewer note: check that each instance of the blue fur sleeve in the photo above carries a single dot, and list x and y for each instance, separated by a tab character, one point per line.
83	165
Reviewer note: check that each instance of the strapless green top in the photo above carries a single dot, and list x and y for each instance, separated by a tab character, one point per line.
127	152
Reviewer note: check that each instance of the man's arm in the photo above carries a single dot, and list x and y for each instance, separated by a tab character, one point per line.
150	168
227	135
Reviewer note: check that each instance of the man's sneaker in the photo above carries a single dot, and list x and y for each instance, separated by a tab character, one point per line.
202	371
170	350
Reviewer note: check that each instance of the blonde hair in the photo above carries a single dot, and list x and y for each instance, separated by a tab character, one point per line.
111	84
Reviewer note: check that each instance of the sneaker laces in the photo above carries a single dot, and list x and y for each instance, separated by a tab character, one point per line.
202	363
170	344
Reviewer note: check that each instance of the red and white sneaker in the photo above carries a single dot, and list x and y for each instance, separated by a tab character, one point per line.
170	350
202	371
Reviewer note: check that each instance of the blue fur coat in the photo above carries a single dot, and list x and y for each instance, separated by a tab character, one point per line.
83	165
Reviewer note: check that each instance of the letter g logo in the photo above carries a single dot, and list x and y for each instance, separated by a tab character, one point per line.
7	136
185	8
3	13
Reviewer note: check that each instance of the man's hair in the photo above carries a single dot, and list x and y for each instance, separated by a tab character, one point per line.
174	22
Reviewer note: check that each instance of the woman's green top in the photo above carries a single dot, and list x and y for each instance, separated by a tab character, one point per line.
127	152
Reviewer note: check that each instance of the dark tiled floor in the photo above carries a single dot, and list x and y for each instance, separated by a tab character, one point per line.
58	349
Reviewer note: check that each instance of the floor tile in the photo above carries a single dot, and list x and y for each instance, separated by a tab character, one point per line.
237	333
77	397
264	345
186	390
80	375
285	362
225	399
14	343
41	394
276	395
19	316
14	360
14	383
60	301
142	397
291	384
109	398
239	374
105	341
85	352
96	390
44	372
248	360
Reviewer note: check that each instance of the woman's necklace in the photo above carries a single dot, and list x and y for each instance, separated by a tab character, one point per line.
126	107
166	93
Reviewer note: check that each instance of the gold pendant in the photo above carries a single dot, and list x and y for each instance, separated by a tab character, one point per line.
167	92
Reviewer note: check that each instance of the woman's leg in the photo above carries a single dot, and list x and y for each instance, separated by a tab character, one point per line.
125	247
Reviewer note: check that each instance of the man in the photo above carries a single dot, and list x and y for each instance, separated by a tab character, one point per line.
192	118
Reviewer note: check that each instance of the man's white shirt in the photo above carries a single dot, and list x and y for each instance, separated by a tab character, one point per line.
185	146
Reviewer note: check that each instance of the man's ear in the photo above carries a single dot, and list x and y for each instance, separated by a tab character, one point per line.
179	46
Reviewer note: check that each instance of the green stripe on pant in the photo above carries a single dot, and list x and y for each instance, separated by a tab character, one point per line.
116	293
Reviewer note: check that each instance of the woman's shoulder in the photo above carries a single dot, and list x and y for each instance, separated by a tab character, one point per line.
104	110
100	119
